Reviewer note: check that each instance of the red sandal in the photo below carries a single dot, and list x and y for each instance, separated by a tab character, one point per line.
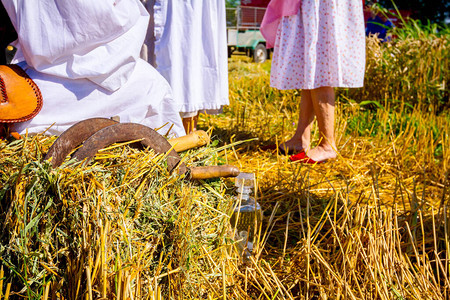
303	158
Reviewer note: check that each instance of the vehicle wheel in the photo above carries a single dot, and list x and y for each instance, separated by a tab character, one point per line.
230	51
260	53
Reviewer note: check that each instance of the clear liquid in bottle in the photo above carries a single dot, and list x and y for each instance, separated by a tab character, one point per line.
247	215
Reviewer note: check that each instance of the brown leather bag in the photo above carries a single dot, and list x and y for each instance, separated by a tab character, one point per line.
20	97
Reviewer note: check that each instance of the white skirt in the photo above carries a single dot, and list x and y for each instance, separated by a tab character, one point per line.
191	52
323	45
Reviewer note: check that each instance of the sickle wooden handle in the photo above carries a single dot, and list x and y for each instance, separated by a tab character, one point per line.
214	172
195	139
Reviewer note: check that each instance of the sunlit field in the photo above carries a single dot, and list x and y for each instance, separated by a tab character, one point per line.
372	224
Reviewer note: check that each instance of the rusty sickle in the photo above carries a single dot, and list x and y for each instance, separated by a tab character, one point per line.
97	133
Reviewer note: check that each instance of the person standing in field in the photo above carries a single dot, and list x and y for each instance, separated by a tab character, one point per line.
190	51
318	45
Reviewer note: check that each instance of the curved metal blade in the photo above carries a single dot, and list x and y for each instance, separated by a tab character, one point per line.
123	132
74	137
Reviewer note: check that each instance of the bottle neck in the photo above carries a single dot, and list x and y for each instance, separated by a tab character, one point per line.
243	193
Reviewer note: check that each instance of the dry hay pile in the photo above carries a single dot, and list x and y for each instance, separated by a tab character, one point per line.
122	227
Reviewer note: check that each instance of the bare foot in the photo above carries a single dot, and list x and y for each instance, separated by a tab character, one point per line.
321	153
293	145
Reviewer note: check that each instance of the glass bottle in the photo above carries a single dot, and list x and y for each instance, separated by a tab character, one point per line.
247	214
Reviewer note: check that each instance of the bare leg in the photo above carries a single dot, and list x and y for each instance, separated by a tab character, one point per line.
323	101
302	136
190	124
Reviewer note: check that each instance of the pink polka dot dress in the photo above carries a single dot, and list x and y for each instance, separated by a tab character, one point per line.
323	45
